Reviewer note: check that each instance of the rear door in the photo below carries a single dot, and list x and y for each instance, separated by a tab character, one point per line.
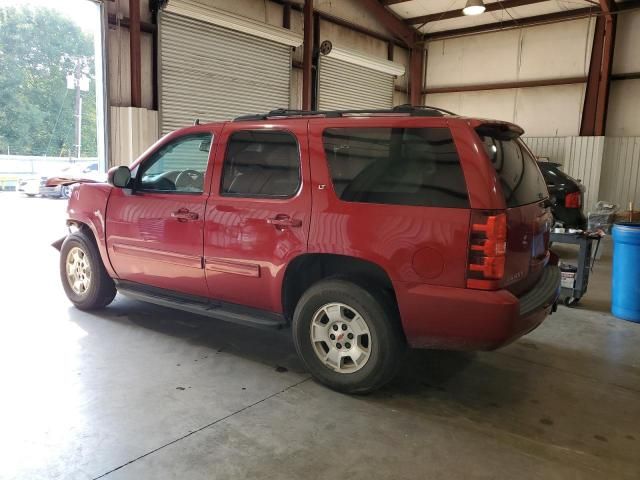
258	216
391	190
529	217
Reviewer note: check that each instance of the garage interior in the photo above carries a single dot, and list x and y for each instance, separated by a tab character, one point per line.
139	391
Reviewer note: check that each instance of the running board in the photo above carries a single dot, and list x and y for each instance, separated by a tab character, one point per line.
228	312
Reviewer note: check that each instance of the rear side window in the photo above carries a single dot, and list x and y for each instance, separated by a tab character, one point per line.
400	166
261	164
521	180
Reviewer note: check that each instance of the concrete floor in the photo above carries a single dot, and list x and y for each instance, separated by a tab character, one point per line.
142	392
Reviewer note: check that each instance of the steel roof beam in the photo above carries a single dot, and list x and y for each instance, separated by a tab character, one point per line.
391	22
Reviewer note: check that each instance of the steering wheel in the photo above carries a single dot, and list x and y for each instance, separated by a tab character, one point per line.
189	178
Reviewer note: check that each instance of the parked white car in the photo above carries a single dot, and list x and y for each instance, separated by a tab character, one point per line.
30	186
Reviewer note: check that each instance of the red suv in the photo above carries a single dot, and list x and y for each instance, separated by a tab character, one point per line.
365	231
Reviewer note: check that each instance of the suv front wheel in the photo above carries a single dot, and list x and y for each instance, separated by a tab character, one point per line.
84	278
349	337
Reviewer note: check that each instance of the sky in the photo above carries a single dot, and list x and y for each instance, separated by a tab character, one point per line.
81	12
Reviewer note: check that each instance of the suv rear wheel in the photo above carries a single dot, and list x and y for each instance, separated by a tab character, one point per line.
84	278
348	337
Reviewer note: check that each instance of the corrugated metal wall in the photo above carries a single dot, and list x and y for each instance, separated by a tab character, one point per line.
213	73
620	183
609	167
583	160
337	81
552	148
580	157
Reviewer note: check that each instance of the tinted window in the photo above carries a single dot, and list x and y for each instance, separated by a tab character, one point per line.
521	180
261	164
179	166
402	166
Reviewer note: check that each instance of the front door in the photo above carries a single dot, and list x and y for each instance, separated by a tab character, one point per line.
259	211
155	230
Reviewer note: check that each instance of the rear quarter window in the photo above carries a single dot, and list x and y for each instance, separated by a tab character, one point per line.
520	177
399	166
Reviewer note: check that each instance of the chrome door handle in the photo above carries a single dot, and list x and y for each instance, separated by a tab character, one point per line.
184	215
284	221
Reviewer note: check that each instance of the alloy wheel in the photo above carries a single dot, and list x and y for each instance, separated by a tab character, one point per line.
340	337
78	271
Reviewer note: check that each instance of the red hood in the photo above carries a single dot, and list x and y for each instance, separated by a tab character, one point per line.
65	180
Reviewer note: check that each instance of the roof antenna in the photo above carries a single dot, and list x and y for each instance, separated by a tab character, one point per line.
197	121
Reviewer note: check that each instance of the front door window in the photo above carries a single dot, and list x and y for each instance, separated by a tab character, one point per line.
178	167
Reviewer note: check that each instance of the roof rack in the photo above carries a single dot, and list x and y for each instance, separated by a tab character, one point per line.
417	111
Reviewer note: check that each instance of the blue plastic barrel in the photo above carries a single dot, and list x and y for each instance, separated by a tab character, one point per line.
625	286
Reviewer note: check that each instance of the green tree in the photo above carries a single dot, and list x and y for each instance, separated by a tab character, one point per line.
38	48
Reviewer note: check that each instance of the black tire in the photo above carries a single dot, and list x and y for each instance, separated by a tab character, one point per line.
387	344
101	290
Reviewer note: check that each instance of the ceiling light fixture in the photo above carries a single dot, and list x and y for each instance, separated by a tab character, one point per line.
474	7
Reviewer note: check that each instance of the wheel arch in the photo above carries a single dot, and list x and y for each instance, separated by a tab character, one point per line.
307	269
89	230
99	288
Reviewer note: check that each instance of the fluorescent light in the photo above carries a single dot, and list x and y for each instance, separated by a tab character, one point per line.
474	7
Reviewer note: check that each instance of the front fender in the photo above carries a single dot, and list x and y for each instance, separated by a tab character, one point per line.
88	206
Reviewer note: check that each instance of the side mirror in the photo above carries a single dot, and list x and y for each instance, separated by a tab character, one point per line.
119	176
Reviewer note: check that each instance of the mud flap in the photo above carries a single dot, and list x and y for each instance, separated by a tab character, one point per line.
58	243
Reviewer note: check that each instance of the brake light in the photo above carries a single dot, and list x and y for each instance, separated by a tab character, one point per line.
487	250
572	200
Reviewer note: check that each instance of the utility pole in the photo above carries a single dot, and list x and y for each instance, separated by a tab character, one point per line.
79	82
78	110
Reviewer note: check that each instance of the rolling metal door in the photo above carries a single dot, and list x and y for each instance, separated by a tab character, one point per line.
214	73
345	85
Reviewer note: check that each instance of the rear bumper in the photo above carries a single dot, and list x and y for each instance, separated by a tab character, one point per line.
466	319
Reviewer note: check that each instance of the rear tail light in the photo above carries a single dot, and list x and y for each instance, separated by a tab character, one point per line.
572	200
487	250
